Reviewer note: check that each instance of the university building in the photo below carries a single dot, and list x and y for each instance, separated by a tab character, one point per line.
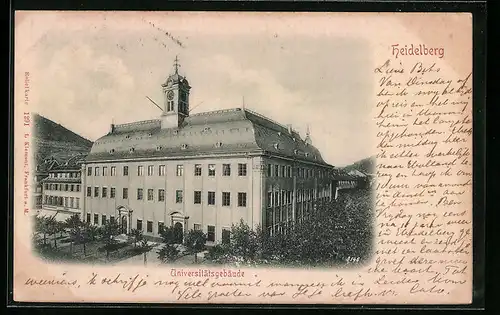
202	171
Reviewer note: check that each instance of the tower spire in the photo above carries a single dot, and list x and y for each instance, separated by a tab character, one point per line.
243	100
176	65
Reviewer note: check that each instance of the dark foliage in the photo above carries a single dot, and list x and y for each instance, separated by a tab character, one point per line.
137	235
168	253
108	233
168	235
195	242
335	233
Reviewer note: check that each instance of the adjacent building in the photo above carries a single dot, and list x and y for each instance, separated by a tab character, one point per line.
202	171
344	180
62	191
41	172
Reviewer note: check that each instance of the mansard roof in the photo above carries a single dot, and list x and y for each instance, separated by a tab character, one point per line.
232	131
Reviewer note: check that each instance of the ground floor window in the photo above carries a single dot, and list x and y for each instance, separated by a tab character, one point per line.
139	225
150	226
161	226
103	219
197	227
88	217
96	218
211	233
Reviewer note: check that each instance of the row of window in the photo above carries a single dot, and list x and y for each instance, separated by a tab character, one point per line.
276	170
347	182
160	195
273	170
161	226
281	214
160	171
67	202
65	175
284	197
62	187
211	233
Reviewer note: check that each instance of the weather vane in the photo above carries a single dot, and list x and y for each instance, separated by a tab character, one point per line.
176	65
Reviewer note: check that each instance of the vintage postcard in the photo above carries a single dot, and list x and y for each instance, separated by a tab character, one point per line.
271	158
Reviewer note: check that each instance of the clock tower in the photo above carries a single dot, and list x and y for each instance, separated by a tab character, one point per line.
175	99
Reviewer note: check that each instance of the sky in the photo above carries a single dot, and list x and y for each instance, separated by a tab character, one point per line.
95	71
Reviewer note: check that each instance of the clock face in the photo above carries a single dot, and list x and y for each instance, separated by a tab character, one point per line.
170	95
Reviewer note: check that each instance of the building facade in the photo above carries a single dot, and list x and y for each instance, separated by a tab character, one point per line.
62	191
42	170
205	171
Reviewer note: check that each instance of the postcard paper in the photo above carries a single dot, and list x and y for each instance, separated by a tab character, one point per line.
271	158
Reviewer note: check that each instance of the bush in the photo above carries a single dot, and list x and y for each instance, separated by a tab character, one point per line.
245	242
217	252
168	253
195	241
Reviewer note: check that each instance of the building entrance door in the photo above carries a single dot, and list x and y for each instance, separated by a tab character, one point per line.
178	233
123	225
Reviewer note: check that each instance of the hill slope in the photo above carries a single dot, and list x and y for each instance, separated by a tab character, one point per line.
365	165
53	140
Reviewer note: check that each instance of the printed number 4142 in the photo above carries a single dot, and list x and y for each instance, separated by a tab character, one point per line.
352	259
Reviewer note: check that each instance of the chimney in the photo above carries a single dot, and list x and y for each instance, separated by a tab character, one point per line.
112	128
289	128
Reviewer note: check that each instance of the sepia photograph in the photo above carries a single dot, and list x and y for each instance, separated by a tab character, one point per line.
243	157
213	174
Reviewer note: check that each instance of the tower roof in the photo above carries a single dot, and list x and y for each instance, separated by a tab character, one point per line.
175	77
